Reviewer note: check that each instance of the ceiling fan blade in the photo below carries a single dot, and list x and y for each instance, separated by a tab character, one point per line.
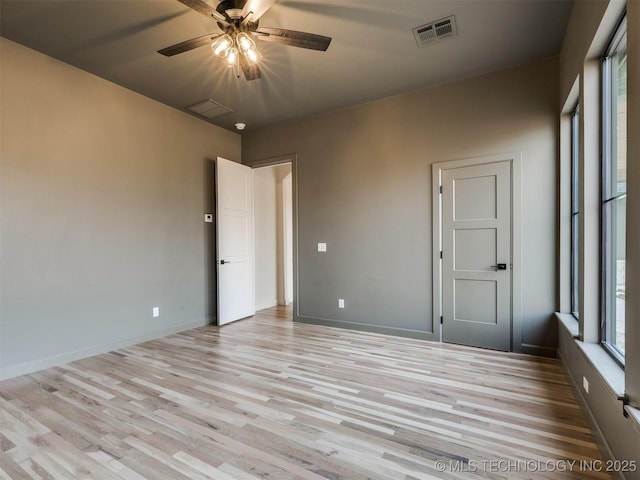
188	45
205	9
293	38
251	72
257	8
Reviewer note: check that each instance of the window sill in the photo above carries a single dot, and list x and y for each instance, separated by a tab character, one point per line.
569	322
600	360
634	414
607	367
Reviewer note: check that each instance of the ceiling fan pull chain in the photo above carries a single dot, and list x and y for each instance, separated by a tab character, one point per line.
247	16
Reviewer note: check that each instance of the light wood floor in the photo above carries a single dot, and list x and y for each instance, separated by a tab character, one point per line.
266	398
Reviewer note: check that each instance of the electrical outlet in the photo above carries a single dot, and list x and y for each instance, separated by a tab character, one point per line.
156	312
341	303
585	384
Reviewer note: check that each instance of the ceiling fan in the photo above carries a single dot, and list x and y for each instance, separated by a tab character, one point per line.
238	20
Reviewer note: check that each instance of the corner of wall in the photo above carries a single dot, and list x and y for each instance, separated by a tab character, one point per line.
617	435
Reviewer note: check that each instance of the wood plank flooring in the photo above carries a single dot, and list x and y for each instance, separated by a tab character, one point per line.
267	398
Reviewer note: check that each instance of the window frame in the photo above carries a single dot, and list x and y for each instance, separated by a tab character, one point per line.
575	213
609	196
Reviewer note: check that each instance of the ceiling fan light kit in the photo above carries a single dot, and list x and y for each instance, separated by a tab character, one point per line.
222	45
248	48
228	46
236	44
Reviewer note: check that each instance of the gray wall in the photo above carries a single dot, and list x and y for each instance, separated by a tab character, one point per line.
632	370
364	188
102	196
590	28
618	436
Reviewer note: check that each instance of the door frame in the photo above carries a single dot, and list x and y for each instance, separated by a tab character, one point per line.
515	159
293	160
287	236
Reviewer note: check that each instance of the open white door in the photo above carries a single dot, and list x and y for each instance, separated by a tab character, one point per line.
234	216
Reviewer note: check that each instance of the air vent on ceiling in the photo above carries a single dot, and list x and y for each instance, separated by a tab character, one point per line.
209	108
435	31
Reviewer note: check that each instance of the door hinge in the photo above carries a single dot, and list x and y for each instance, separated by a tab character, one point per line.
440	253
440	188
441	320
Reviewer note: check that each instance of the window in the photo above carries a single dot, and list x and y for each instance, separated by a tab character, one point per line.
575	212
614	192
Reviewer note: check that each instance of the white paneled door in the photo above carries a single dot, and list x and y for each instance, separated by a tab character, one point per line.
234	213
476	255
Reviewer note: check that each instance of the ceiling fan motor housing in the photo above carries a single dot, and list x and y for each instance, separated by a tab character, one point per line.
231	8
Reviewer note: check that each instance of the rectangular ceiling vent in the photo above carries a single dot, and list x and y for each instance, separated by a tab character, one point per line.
435	31
209	109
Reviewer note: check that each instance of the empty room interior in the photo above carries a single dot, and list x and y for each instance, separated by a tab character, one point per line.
305	239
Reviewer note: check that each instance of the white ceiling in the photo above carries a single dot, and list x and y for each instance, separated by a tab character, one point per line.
373	53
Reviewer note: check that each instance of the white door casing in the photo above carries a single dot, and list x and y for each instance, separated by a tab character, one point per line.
476	225
288	238
235	250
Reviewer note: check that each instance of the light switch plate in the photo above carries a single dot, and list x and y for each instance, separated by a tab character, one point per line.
322	247
208	217
156	311
341	303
